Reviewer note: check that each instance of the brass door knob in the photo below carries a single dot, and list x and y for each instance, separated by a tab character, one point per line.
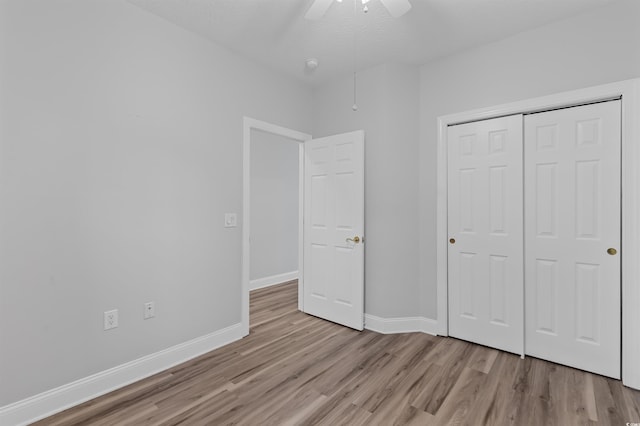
452	240
355	239
612	251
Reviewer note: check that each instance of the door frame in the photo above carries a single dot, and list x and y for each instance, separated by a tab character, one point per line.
629	93
249	124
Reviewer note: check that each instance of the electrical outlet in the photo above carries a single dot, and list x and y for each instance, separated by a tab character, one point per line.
149	310
110	319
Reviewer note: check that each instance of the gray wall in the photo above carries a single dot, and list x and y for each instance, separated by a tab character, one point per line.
121	150
274	205
388	100
598	47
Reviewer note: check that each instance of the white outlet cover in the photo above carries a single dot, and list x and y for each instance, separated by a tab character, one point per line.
230	220
110	319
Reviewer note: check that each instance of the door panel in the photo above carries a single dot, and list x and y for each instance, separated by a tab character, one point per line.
485	219
572	216
334	213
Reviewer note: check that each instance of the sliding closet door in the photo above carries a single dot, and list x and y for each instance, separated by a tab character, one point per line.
485	230
572	235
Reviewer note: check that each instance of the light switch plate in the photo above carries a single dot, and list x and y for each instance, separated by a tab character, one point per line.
149	310
230	220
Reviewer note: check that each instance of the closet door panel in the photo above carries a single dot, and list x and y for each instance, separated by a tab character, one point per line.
572	217
485	219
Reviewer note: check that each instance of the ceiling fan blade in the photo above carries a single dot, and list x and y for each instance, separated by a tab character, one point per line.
397	8
318	9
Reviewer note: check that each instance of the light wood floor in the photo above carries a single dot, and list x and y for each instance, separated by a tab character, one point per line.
298	369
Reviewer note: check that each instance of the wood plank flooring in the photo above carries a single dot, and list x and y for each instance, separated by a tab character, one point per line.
297	369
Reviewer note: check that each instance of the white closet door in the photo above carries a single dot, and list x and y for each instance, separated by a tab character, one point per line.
572	218
485	230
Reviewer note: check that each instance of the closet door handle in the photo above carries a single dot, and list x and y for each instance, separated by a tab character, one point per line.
612	251
452	240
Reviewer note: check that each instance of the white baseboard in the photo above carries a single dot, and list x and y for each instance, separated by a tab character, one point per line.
53	401
401	325
272	280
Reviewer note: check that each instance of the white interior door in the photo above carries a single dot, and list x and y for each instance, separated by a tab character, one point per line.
333	229
572	199
485	256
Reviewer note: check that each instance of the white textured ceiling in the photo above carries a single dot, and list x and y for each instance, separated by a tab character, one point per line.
275	33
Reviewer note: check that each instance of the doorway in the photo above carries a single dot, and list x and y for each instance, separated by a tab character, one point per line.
274	210
256	131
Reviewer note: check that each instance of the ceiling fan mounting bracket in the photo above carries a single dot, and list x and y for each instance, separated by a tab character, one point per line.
396	8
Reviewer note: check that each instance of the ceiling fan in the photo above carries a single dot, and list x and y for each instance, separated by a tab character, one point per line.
396	8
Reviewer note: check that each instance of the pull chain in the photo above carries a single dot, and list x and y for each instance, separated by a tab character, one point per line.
355	105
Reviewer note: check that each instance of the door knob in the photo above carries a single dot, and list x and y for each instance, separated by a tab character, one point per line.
612	251
355	239
452	240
